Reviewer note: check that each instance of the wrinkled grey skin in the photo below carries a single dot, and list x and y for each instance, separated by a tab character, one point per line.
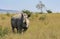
20	22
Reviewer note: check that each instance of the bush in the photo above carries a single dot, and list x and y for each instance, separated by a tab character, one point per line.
8	14
42	17
36	15
27	12
49	11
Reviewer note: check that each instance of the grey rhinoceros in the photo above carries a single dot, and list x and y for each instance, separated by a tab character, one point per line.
20	22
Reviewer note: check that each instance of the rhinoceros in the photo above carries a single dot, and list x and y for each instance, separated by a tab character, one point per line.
20	22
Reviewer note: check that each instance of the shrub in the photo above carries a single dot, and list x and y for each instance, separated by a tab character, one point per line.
49	11
36	15
27	12
8	14
42	17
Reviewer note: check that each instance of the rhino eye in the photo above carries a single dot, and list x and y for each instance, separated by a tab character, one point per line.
24	22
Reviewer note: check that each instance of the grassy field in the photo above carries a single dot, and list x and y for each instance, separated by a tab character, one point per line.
42	26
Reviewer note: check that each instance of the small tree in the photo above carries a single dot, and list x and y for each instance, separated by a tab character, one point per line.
40	6
49	11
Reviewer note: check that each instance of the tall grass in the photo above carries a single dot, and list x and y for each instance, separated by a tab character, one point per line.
48	27
3	18
3	32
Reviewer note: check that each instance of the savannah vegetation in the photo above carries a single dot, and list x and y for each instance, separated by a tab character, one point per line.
42	26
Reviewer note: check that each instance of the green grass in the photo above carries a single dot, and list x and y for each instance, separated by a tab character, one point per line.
49	28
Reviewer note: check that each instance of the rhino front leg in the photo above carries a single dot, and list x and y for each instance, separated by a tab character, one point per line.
25	29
